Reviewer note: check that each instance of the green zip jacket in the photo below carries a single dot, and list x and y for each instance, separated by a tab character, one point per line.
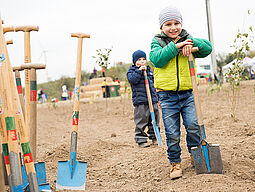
172	69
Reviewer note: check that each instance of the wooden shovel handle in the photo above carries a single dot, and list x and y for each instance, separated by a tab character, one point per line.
8	29
78	79
32	66
148	91
26	28
194	87
80	35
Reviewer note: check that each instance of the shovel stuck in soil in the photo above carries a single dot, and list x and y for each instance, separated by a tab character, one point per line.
207	158
155	127
72	174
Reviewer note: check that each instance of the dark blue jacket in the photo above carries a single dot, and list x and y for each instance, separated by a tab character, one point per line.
136	79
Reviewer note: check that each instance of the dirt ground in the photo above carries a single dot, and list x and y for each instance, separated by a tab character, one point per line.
116	163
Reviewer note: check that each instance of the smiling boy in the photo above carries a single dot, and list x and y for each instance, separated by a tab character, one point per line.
169	51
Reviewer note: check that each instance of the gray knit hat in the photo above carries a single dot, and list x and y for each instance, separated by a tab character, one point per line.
169	13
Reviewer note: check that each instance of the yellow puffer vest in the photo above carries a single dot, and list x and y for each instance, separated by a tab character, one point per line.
174	76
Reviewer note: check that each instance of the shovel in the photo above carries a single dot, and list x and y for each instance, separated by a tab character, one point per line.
207	157
72	174
155	127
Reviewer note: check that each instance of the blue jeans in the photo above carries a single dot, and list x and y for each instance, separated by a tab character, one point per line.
172	105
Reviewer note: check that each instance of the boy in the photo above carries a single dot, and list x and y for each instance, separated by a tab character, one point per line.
173	83
142	118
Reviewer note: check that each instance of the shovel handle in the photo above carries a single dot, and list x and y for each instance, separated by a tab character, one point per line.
76	98
195	93
77	87
194	87
148	91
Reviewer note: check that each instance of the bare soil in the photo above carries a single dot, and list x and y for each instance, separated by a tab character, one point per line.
116	163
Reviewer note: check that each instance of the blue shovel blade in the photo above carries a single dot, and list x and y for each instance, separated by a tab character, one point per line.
156	129
207	159
17	188
64	180
201	159
40	174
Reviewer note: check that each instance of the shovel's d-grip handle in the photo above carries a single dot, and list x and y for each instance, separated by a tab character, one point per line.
194	87
32	66
8	28
26	28
80	35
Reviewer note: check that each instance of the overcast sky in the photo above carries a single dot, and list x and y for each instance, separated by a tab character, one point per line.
124	25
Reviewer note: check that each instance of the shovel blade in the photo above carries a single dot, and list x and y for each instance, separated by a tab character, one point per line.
68	180
41	177
156	129
215	161
40	172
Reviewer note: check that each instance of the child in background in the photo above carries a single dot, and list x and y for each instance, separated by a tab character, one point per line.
173	83
40	95
142	118
64	95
